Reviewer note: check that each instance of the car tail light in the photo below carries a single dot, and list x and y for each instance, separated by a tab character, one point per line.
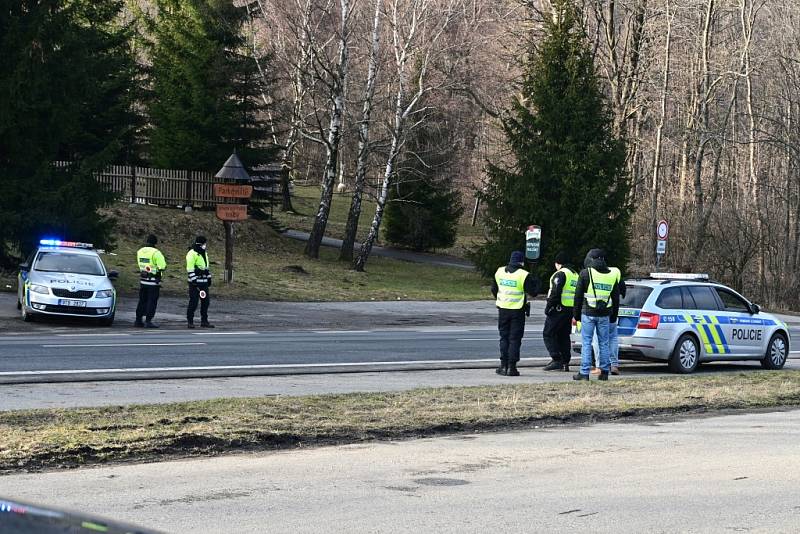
648	321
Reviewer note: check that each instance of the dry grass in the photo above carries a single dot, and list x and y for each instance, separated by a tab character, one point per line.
270	267
56	438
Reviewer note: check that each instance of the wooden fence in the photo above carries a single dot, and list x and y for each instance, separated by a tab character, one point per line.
168	187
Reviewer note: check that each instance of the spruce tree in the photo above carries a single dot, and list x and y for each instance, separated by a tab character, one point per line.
205	96
424	207
66	101
569	175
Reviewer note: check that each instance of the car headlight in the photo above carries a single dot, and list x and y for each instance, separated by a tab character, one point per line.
38	288
105	293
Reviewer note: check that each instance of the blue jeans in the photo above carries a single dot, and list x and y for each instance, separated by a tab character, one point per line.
613	344
590	325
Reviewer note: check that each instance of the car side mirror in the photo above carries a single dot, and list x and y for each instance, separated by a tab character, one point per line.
754	309
113	275
24	267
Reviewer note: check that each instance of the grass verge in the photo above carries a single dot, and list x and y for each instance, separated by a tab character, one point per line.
270	267
36	439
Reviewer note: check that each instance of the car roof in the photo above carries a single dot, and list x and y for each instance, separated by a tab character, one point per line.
652	282
69	250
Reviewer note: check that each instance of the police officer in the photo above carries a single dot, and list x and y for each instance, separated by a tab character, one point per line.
151	266
558	314
510	286
596	299
197	268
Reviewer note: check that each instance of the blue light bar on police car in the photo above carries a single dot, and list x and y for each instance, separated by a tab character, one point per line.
59	243
679	276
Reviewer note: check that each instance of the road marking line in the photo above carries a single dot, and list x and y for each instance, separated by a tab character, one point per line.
344	331
477	339
89	335
231	367
243	333
124	345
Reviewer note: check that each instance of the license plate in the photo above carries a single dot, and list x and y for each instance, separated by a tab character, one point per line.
73	303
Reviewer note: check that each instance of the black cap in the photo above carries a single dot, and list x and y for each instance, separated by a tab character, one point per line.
517	258
199	240
562	258
152	240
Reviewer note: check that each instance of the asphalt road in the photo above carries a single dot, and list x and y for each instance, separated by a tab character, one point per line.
736	473
76	356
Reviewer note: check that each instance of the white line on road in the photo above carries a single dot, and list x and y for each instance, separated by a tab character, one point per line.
477	339
243	333
344	331
124	345
232	367
90	335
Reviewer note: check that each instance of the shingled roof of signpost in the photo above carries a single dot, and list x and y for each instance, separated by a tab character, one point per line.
233	170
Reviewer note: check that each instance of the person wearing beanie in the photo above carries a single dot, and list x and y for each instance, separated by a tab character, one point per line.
151	264
558	314
197	269
596	299
511	287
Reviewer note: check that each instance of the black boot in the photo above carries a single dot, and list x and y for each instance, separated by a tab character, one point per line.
579	376
553	366
138	323
565	368
603	375
190	324
512	369
503	369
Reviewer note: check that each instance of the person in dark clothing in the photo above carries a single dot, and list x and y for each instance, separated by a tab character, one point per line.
151	265
558	314
596	300
511	287
199	275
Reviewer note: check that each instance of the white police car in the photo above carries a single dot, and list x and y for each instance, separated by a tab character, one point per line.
66	278
684	319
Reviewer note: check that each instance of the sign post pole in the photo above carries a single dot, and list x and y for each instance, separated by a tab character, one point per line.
662	233
228	213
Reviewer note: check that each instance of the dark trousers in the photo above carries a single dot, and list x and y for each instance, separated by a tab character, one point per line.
511	324
194	298
148	300
557	328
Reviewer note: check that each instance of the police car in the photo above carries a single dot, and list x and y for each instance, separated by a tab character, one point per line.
685	319
66	278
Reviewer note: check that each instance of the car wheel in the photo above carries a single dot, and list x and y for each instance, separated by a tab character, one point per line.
107	321
777	350
686	355
25	314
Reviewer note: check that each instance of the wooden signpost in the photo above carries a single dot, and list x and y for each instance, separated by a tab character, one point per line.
230	212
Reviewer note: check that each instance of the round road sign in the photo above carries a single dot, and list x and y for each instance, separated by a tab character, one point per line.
662	229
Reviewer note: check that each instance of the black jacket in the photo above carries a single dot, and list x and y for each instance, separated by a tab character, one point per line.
531	283
554	295
584	285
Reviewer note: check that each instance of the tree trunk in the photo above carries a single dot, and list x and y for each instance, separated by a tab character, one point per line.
338	88
364	149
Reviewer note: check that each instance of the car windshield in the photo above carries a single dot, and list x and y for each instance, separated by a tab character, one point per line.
635	296
64	262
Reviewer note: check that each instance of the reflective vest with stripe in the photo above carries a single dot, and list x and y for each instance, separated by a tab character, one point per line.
197	268
600	286
570	283
616	272
510	288
151	262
